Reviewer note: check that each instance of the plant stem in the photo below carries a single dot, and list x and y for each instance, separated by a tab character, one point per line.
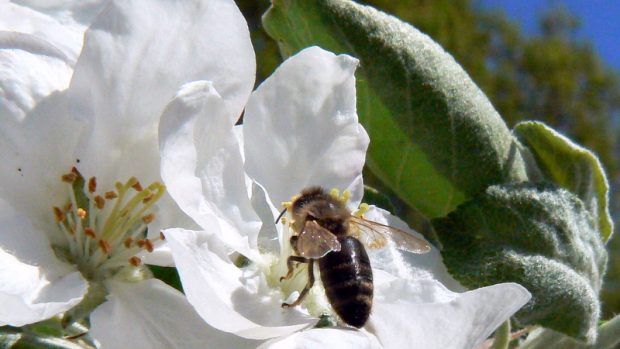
502	336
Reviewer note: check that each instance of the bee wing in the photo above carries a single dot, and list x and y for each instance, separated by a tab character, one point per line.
315	241
376	235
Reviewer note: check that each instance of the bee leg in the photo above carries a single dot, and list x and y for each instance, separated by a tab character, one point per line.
293	242
291	266
309	285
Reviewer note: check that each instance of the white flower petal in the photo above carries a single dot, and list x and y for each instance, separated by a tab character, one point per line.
301	128
430	316
27	296
226	297
26	77
35	153
34	285
62	29
151	314
268	237
136	55
324	338
202	168
37	52
28	244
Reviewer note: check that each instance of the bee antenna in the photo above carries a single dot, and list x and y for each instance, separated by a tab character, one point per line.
280	216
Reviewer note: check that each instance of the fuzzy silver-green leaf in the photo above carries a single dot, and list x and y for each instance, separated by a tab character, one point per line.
540	236
570	166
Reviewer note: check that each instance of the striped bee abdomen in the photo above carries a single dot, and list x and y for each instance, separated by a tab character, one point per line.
347	278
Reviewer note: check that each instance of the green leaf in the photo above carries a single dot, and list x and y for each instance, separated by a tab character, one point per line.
435	138
540	236
169	275
50	327
570	166
372	196
9	335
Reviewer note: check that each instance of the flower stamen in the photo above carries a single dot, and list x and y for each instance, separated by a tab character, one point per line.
135	261
100	241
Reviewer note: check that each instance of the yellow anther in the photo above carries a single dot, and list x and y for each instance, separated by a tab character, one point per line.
136	186
90	232
361	210
135	261
287	204
148	245
81	213
131	183
148	218
104	246
346	195
99	202
58	214
92	185
147	199
69	177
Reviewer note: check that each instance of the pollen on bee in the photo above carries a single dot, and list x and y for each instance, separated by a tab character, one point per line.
283	219
135	261
81	213
335	193
92	184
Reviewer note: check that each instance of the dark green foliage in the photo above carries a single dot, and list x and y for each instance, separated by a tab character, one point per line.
169	275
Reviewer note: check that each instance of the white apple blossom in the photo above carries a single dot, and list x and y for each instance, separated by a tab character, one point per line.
79	134
300	129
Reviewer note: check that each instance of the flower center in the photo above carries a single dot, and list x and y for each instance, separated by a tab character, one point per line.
104	235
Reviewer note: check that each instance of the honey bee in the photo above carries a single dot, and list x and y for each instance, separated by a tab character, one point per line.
326	232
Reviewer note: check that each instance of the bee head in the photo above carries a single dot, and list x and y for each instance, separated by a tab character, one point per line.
307	196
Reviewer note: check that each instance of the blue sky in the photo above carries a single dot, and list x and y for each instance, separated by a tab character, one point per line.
600	22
